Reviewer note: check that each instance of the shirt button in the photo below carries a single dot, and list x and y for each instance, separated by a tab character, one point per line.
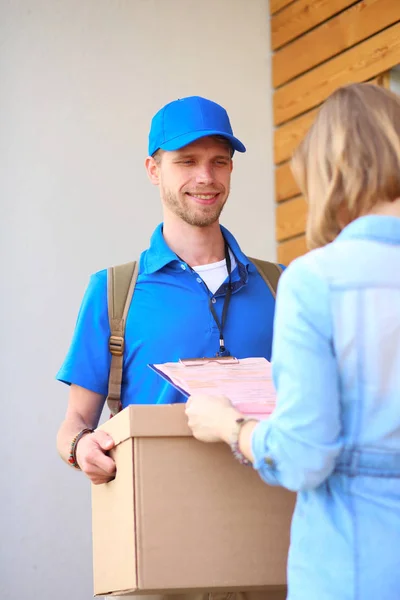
213	300
268	460
199	280
183	267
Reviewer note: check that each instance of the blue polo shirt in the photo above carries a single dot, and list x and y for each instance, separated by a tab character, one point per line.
169	319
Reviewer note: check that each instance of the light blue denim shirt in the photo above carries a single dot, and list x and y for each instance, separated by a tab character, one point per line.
335	434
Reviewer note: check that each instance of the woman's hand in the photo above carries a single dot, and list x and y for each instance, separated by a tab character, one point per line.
211	418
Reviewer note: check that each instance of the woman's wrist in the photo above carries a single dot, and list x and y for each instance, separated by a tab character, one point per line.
236	431
228	424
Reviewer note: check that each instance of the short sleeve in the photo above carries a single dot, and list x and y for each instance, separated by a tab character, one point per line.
87	363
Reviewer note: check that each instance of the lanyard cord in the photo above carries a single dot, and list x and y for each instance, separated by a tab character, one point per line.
221	324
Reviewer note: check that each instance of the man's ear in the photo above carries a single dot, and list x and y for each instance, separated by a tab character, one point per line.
153	170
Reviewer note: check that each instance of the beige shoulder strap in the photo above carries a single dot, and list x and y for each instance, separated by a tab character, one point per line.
121	282
269	271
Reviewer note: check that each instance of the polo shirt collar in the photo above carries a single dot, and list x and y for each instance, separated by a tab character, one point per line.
234	246
160	254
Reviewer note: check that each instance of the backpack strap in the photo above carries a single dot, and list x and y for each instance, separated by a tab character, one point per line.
121	282
269	271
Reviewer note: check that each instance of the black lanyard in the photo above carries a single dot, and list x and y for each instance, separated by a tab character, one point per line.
221	324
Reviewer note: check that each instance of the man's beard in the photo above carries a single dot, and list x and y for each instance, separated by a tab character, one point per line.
198	216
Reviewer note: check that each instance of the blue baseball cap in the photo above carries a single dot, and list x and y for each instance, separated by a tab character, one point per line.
186	120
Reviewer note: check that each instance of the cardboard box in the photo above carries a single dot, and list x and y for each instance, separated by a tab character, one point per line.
182	515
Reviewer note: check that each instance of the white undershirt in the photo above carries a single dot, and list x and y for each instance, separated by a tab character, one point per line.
215	274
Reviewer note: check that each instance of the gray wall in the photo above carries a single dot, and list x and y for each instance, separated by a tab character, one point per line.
80	80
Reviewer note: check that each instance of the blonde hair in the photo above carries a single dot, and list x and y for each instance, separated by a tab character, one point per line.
349	159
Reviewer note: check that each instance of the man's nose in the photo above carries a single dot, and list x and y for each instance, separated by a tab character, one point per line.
205	174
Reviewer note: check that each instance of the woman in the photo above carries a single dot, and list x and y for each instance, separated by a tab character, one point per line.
335	434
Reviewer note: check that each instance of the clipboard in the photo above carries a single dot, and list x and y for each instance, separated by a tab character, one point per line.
199	362
164	375
246	382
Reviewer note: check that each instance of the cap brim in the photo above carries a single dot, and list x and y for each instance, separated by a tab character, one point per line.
183	140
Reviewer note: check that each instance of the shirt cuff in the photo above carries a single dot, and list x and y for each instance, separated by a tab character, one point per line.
263	461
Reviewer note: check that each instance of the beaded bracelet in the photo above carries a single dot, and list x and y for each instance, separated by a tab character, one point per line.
72	453
237	453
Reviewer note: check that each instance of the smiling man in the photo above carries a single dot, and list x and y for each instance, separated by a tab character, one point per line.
197	294
195	195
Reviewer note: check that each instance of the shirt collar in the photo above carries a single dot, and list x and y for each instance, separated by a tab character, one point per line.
380	228
234	246
160	254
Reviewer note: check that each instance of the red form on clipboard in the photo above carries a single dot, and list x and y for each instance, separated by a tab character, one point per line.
246	382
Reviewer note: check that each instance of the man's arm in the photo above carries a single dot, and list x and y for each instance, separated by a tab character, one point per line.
83	411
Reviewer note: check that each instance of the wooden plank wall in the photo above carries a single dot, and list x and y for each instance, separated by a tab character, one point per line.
318	46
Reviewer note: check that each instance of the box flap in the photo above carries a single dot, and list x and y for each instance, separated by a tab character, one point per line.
150	420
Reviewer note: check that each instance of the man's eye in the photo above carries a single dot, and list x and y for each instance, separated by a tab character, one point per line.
187	162
222	163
